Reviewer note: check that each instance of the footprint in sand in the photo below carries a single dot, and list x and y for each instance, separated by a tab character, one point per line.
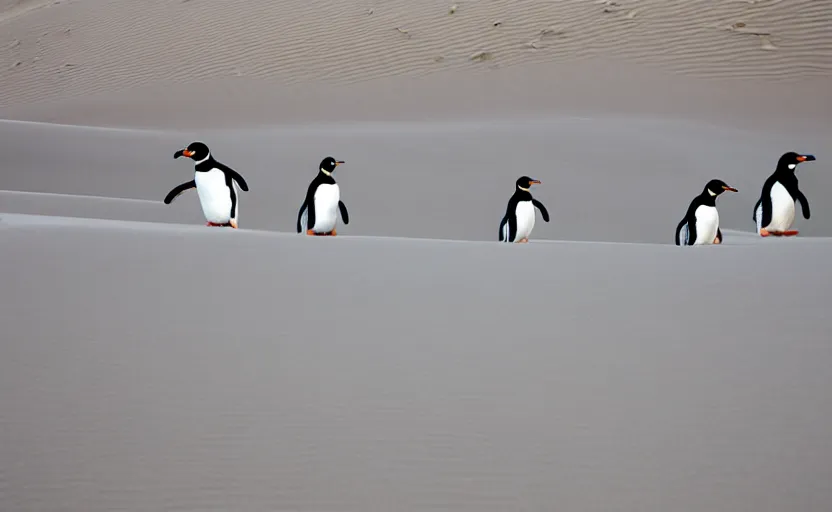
741	28
545	33
482	56
766	44
403	32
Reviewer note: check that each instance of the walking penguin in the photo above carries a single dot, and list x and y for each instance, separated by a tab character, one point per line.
518	222
701	223
318	214
774	212
216	186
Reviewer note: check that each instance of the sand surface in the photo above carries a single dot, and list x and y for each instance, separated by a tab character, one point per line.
412	363
179	368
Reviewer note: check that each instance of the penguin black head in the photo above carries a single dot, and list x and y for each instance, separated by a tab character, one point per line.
716	187
524	183
195	151
789	161
329	164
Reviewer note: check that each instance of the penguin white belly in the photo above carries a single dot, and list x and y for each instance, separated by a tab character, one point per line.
525	220
782	209
214	196
326	207
707	224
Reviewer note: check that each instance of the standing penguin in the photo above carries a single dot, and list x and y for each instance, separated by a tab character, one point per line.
518	222
215	183
774	211
318	214
701	223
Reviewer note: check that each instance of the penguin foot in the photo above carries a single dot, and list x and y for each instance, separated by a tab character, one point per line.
790	233
765	232
333	233
523	241
311	232
233	224
716	241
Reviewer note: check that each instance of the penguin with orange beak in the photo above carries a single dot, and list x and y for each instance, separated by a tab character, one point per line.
774	212
318	214
518	222
701	223
215	184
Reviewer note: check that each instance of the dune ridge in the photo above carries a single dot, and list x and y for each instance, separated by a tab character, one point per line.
72	48
604	178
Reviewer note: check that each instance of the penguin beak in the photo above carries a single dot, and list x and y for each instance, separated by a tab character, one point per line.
338	162
183	152
535	182
731	189
805	158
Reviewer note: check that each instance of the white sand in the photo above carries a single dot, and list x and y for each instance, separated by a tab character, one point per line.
412	363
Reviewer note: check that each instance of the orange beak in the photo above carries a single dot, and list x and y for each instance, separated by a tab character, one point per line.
338	162
535	182
188	153
732	189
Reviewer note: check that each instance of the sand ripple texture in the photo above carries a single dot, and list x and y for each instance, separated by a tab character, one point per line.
57	49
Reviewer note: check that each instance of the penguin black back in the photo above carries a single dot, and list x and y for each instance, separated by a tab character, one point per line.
214	182
784	174
308	215
508	230
713	189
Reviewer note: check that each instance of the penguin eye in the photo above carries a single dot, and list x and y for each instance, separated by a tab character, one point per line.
792	166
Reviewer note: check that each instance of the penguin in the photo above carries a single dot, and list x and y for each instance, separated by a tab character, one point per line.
318	214
774	212
518	222
701	223
216	186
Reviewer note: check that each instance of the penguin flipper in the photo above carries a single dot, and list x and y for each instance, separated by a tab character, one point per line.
345	216
719	235
804	204
542	209
765	200
302	218
234	175
756	207
503	236
178	190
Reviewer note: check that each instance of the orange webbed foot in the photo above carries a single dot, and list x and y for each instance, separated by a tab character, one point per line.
311	232
790	233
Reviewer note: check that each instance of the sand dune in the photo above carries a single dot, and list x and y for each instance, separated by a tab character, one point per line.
149	367
148	362
95	45
120	62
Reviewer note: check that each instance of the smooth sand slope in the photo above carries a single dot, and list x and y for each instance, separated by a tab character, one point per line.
150	366
147	367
